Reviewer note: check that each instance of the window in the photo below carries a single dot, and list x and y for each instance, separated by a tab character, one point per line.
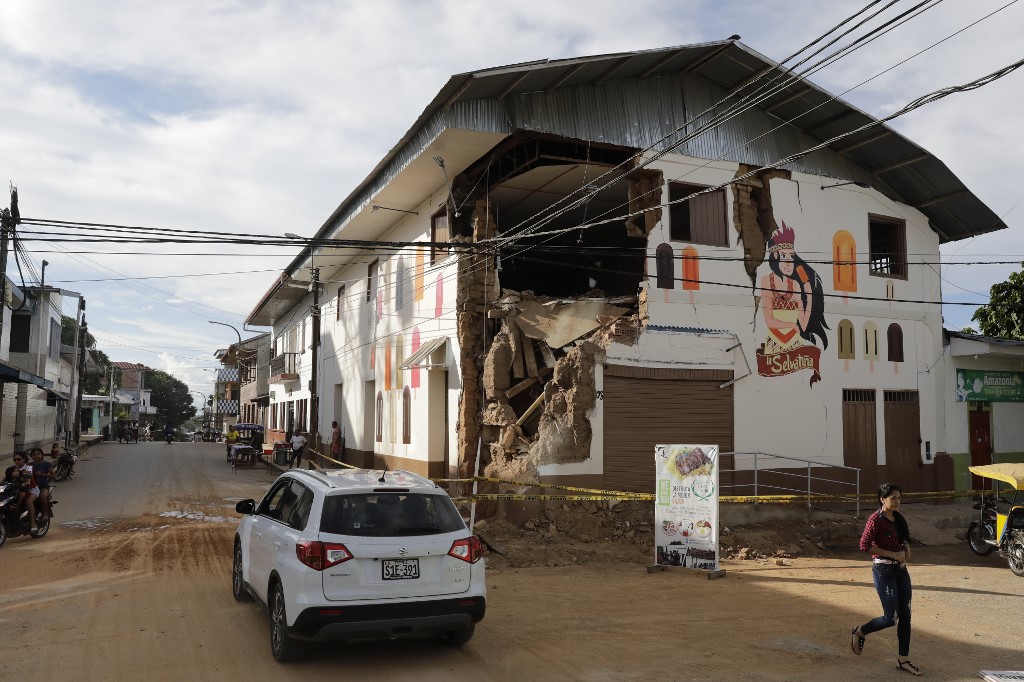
406	416
21	329
700	220
888	245
371	280
846	345
389	515
54	350
302	343
380	417
341	303
664	262
895	339
439	232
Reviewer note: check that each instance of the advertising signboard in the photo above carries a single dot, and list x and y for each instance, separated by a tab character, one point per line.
686	509
989	386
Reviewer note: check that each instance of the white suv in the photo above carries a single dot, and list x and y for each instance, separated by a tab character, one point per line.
358	554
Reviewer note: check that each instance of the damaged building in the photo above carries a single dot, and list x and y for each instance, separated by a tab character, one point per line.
564	263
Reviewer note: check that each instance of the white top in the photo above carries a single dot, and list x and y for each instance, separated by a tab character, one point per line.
298	441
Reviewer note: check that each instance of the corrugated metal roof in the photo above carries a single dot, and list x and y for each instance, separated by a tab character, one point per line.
638	99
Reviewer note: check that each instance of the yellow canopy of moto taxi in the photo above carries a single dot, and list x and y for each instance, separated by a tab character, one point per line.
1007	473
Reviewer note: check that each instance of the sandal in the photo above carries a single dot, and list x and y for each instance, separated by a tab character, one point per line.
856	642
908	667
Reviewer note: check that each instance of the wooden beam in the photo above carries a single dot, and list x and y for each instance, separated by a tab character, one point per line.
512	84
944	197
516	341
786	100
530	355
861	143
520	387
660	63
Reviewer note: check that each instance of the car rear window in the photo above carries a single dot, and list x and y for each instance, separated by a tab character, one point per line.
389	515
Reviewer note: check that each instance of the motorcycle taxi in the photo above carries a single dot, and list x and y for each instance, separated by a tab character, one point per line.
1001	526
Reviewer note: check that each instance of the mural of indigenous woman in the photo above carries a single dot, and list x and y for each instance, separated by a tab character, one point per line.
793	305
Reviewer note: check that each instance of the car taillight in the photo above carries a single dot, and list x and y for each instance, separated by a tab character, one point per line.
468	549
320	555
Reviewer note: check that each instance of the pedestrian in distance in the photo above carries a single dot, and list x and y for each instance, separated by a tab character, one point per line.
231	438
55	451
335	440
887	537
298	442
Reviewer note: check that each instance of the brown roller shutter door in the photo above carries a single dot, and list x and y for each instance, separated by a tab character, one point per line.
649	406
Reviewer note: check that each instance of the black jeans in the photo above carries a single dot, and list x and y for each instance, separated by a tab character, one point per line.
894	590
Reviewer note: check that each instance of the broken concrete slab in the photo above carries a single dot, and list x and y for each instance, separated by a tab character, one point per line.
558	323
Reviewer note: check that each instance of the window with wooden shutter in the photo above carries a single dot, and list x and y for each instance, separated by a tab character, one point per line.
699	218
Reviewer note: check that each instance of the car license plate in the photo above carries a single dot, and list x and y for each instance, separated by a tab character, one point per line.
401	569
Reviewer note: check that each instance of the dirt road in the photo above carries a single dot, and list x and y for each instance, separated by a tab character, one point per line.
146	595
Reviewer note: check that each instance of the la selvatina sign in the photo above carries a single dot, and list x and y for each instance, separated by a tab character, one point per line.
686	523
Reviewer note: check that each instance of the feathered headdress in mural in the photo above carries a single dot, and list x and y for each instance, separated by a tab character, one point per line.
782	238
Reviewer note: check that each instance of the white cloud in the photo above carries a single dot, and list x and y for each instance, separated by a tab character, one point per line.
259	118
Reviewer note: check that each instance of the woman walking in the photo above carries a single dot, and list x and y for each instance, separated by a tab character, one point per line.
887	537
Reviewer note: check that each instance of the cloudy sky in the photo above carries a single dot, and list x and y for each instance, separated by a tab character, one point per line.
261	116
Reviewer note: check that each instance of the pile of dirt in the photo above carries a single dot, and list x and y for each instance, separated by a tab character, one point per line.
579	533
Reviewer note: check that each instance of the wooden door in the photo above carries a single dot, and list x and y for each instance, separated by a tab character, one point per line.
979	428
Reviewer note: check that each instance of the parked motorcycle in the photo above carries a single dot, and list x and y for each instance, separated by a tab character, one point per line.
65	468
14	519
981	534
1007	535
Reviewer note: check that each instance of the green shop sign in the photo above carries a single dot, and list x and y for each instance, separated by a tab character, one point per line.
989	386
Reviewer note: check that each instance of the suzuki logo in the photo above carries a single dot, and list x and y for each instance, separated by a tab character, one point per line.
402	551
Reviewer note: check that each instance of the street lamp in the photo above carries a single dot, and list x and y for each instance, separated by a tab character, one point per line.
314	286
238	378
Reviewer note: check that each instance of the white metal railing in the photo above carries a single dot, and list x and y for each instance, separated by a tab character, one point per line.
760	459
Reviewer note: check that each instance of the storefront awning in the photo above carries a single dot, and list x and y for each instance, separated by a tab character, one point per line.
421	358
12	374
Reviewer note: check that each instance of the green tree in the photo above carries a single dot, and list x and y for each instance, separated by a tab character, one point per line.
1004	314
94	384
170	396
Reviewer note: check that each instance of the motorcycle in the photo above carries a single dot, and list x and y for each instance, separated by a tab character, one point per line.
14	519
981	534
65	468
168	436
1006	536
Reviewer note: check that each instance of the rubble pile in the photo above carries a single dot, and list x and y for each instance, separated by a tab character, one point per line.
576	533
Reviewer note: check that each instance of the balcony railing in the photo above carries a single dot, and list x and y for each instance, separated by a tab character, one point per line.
283	369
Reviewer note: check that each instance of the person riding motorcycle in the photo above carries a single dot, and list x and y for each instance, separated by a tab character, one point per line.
169	432
21	473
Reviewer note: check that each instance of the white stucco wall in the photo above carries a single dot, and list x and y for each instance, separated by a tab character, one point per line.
784	414
348	339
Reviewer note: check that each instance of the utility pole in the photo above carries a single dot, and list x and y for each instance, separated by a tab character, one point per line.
314	397
8	219
76	396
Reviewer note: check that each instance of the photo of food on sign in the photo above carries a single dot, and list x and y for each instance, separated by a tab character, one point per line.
686	462
702	529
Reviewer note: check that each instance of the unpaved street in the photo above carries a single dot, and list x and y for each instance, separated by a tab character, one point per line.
133	583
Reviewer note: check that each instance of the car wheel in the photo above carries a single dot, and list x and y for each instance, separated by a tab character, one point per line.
976	536
282	645
238	589
458	637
